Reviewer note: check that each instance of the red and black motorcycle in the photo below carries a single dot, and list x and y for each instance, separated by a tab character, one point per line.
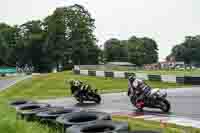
156	99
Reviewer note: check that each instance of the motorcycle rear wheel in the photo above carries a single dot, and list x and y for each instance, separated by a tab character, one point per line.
98	99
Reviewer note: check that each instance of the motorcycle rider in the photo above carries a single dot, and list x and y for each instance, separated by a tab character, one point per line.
78	88
138	86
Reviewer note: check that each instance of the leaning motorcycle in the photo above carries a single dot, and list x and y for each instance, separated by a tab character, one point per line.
156	99
82	95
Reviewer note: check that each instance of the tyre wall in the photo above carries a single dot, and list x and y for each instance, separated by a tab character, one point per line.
193	80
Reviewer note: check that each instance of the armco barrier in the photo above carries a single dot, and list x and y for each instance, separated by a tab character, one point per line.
164	78
100	73
84	72
91	73
118	74
109	74
142	76
76	71
168	78
192	80
154	77
180	80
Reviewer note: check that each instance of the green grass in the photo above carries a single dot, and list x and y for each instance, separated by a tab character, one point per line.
140	124
9	123
52	85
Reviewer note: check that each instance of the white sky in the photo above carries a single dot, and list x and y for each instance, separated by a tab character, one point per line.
166	21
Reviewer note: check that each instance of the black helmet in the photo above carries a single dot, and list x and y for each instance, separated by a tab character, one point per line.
132	77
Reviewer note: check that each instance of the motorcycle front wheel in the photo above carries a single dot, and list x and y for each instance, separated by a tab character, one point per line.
165	105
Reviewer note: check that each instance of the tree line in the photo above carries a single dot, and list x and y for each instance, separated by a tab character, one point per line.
187	51
65	37
136	50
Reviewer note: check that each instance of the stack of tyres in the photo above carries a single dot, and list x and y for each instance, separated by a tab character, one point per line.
81	118
17	103
49	117
100	127
28	111
143	131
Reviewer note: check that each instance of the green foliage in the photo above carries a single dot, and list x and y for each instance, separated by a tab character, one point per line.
9	123
136	50
188	51
65	35
115	50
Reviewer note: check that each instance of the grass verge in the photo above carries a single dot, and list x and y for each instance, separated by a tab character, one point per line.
9	123
52	85
140	124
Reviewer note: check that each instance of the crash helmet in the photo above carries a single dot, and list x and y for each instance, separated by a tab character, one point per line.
77	83
71	82
132	77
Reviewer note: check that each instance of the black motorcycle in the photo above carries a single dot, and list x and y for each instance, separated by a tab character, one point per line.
156	99
88	94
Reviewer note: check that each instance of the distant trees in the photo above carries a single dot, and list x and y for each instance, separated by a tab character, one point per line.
135	50
67	37
115	50
64	37
187	51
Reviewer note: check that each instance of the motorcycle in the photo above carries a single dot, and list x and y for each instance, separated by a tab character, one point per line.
86	95
156	99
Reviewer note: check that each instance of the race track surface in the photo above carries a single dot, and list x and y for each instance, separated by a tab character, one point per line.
5	83
184	102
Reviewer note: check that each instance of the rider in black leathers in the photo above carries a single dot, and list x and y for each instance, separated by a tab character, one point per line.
139	86
78	88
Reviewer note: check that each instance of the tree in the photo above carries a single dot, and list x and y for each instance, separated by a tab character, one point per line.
115	50
150	50
188	51
135	50
70	35
8	42
80	35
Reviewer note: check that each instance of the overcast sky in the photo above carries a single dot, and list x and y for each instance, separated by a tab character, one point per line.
166	21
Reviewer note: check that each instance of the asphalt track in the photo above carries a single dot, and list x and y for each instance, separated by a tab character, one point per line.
185	102
5	83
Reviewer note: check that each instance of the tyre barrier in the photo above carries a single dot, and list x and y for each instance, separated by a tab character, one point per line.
192	80
49	116
17	103
143	131
154	78
109	74
81	118
91	73
71	120
28	111
100	127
